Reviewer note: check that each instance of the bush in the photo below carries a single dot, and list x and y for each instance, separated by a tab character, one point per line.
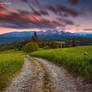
46	47
30	47
6	47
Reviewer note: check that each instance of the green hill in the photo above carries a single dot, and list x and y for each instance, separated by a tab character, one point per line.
73	58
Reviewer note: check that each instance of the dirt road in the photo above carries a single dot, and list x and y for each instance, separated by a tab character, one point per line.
39	75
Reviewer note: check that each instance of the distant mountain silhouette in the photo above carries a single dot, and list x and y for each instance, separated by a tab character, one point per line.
12	37
45	33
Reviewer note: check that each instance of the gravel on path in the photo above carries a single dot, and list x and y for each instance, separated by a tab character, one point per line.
64	80
39	75
21	82
32	78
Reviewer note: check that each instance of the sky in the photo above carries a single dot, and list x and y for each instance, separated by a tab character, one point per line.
35	15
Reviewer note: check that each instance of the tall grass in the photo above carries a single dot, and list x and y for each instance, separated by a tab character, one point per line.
73	58
10	62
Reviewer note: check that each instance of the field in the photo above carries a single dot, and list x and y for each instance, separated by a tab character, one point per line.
73	58
10	62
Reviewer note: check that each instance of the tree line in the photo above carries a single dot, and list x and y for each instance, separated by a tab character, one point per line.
34	44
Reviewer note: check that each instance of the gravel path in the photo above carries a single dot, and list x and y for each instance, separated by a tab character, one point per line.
39	75
64	82
33	78
21	82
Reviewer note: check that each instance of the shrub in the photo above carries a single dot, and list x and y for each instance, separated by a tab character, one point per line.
30	47
6	47
46	47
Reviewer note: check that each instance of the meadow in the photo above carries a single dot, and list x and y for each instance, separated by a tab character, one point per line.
10	62
73	58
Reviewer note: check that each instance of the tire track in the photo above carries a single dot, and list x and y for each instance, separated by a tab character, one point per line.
64	81
33	78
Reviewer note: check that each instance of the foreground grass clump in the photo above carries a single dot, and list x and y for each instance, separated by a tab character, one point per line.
73	58
10	62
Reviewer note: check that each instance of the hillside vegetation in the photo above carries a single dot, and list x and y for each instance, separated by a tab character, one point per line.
10	62
73	58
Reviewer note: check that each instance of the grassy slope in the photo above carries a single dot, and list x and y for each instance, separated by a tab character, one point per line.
10	62
73	58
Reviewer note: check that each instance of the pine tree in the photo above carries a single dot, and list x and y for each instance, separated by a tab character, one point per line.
34	38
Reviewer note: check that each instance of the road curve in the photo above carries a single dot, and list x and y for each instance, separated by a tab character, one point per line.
39	75
33	78
64	82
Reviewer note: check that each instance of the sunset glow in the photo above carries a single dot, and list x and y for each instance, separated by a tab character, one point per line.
7	30
67	15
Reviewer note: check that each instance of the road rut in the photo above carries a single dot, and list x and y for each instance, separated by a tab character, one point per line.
39	75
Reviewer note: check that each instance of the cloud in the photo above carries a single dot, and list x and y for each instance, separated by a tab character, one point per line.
66	21
89	29
36	13
60	10
51	8
36	17
2	6
44	12
24	1
24	12
2	15
40	13
15	19
57	23
73	1
67	11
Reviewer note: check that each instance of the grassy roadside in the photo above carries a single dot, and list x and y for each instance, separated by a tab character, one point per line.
73	58
10	62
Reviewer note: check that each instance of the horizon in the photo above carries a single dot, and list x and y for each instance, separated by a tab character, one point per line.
27	15
45	31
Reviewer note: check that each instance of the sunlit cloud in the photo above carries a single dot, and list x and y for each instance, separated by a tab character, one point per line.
6	30
45	14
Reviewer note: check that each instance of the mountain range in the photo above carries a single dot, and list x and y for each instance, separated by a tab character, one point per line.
45	33
12	37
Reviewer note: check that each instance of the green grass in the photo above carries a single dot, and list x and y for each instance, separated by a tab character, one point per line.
73	58
10	62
